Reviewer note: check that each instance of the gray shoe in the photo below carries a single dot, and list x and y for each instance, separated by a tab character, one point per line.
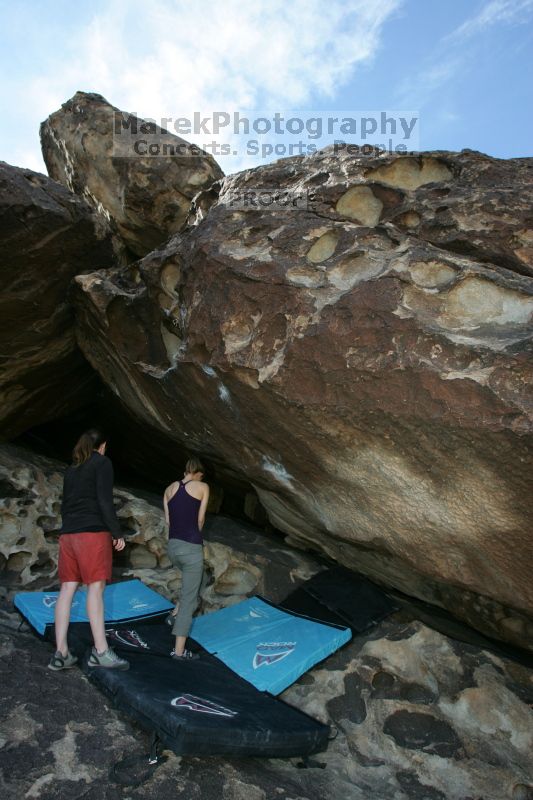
59	661
107	660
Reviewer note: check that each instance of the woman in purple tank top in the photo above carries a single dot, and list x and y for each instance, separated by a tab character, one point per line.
185	504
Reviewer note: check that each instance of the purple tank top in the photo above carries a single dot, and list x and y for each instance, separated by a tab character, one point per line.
183	516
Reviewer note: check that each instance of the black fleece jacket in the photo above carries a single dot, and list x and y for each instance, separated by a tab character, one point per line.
88	497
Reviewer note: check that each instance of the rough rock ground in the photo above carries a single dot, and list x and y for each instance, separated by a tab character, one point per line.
419	717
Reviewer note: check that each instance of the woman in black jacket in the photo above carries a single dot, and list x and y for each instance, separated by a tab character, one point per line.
89	531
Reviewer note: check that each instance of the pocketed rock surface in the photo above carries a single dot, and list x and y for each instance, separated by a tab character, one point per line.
419	717
364	360
240	560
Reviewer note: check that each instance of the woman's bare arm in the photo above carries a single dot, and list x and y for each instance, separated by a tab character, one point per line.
203	507
166	498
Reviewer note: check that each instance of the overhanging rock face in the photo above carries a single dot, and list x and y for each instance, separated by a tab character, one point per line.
48	235
365	362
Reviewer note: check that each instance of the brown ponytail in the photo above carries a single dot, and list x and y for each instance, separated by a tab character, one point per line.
88	441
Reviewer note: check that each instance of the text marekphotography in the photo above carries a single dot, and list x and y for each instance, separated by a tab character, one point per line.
277	135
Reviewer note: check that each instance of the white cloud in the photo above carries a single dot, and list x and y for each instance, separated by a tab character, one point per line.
451	54
168	59
493	12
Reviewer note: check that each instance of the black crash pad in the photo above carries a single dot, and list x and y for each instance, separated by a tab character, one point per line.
196	707
342	597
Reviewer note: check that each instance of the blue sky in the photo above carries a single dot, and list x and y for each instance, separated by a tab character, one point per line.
464	65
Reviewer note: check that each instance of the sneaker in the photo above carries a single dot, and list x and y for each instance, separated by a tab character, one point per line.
185	656
170	619
59	661
108	660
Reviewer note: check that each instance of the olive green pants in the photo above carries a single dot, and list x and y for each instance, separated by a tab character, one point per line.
190	560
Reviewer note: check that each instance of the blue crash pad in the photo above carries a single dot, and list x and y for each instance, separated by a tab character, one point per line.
122	601
265	645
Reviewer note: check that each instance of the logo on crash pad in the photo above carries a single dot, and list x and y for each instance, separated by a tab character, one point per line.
270	652
128	637
49	601
201	705
136	602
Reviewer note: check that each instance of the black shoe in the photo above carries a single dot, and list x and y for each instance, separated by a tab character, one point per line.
170	619
187	655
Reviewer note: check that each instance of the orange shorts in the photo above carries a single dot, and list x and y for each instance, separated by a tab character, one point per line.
85	557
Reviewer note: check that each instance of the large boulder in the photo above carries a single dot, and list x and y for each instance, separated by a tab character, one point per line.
365	362
48	235
145	197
